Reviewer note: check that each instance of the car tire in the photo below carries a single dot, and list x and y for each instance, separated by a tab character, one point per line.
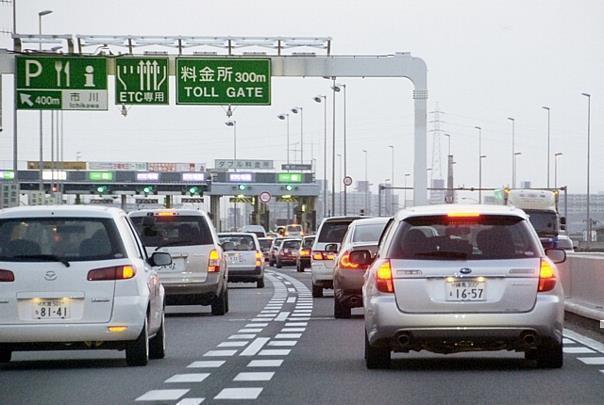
376	357
260	283
317	291
340	310
278	264
5	355
550	355
299	268
271	263
219	306
137	352
157	344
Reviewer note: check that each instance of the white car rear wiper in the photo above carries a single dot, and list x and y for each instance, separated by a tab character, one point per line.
173	243
52	258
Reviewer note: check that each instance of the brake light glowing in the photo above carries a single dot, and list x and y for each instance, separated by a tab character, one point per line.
319	255
117	329
259	258
213	261
547	276
112	273
305	252
165	213
463	214
6	276
383	276
345	262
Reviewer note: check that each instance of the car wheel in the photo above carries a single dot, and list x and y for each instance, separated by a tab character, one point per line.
260	283
317	291
340	310
299	268
271	263
376	357
5	355
227	301
137	352
157	344
219	306
279	265
549	355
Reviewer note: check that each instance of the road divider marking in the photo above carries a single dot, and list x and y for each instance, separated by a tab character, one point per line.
162	395
250	330
274	352
598	361
255	346
282	316
577	350
293	329
220	353
239	393
206	364
190	401
291	299
566	341
243	336
187	378
233	344
288	336
255	325
254	376
296	323
265	363
282	343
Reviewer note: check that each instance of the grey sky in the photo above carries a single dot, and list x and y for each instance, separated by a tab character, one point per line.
487	60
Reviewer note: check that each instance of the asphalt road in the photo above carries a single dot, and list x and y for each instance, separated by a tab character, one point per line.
279	346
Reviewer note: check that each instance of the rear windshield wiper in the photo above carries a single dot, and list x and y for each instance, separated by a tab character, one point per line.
51	258
444	253
174	243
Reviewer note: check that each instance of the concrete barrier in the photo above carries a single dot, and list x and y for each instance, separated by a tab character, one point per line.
582	277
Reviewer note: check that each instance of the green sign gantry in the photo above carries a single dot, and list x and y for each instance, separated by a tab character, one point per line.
141	80
61	83
222	81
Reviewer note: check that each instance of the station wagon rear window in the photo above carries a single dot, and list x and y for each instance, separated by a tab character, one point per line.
173	230
237	242
70	239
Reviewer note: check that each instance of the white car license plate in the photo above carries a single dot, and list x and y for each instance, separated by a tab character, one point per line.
466	291
51	309
234	258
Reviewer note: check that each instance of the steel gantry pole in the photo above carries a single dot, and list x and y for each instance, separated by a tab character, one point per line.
392	182
337	88
41	123
333	152
15	137
588	219
513	121
366	185
300	110
323	99
479	164
546	108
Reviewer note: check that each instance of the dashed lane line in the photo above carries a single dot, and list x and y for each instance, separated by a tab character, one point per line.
265	363
188	378
577	350
254	376
206	364
239	393
592	361
254	347
220	353
191	401
163	395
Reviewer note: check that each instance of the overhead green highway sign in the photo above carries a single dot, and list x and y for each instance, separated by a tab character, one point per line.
61	83
223	81
141	80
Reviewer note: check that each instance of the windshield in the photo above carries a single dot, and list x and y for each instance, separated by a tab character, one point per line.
544	222
294	228
74	239
565	244
291	244
307	243
334	231
237	242
368	232
265	244
173	230
277	243
478	238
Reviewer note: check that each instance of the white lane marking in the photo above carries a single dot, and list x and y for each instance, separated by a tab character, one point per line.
220	353
187	378
293	329
243	336
191	401
261	319
584	340
239	393
270	311
568	341
577	350
250	330
287	283
290	289
254	376
305	312
296	323
256	325
291	299
206	364
255	346
233	344
288	336
598	361
265	363
264	316
282	343
299	318
162	395
282	316
274	352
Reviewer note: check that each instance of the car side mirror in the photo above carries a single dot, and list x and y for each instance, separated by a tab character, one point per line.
361	257
331	248
159	259
556	255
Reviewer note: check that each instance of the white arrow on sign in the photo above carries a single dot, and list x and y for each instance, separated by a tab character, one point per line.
26	99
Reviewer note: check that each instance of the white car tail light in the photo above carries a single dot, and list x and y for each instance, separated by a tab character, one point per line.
112	273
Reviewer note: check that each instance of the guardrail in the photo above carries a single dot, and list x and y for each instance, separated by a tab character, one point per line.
582	277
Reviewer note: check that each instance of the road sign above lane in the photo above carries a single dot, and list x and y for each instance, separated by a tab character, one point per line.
223	81
141	80
61	83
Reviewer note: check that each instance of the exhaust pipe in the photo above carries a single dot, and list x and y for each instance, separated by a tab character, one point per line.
529	338
403	339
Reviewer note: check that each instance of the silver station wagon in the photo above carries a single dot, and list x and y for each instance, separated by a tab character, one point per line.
462	278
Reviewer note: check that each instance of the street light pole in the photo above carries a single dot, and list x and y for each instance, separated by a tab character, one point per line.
546	108
515	156
392	181
333	152
234	125
405	192
344	135
588	219
366	185
340	182
513	151
286	118
41	124
479	164
556	156
295	110
323	99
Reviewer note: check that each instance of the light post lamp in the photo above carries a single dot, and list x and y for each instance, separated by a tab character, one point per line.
588	219
234	125
513	121
366	185
556	156
337	88
295	110
286	118
516	154
546	108
392	181
479	163
405	192
323	99
41	168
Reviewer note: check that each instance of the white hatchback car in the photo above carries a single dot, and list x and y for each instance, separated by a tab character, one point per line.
78	277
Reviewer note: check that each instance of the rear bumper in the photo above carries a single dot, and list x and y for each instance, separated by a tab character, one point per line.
287	259
385	323
303	261
247	275
183	287
321	275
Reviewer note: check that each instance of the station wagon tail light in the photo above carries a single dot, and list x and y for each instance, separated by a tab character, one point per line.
319	255
345	262
547	276
166	214
213	261
112	273
259	258
305	252
383	276
6	276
